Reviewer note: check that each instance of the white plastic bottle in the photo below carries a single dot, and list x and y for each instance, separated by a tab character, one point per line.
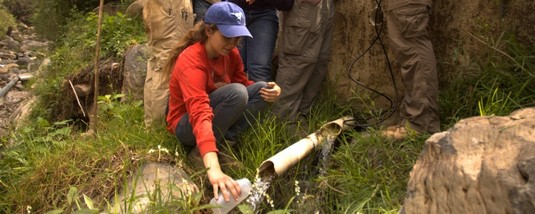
224	206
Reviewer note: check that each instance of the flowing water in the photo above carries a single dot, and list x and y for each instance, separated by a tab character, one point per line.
325	155
261	184
258	193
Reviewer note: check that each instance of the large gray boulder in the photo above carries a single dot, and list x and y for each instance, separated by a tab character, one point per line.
135	71
480	165
163	181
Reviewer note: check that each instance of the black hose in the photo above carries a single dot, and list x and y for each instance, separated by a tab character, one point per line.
393	104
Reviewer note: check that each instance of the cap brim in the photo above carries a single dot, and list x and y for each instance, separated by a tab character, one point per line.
234	31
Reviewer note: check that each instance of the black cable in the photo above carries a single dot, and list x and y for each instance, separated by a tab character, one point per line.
378	30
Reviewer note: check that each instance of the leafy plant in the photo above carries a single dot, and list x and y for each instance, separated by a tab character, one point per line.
7	21
118	33
21	9
52	17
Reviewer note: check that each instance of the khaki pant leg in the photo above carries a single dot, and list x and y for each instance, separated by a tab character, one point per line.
165	22
314	85
292	77
155	95
410	43
303	43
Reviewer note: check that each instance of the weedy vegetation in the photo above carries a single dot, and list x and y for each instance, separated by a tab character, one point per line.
53	167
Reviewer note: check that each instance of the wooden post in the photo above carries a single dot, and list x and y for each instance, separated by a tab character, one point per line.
93	118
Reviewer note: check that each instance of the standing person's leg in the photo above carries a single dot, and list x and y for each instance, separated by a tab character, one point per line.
228	104
413	49
292	77
155	95
255	105
314	85
298	56
257	52
160	18
199	8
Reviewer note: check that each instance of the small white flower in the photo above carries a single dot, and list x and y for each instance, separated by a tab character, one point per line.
164	150
297	188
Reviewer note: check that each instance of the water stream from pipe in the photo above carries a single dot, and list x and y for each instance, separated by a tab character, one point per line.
278	164
325	155
258	193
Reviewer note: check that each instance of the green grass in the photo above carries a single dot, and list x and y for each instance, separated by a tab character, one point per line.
41	171
53	166
499	83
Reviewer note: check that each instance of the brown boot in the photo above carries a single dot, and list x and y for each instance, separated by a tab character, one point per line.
226	155
399	132
195	159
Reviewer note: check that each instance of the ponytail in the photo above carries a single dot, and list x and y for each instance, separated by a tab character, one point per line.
195	34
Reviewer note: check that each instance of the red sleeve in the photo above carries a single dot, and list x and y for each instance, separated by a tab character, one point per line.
193	83
239	75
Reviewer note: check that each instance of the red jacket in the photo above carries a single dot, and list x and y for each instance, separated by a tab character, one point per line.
192	80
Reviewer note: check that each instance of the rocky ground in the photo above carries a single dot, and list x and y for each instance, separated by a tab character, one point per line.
21	54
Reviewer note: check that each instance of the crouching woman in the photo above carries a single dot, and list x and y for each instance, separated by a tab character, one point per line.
211	98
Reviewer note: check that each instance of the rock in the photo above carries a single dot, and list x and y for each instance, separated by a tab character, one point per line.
8	67
135	8
29	45
10	43
24	61
14	70
480	165
109	8
135	70
4	69
21	114
153	177
43	66
9	55
17	36
16	60
23	28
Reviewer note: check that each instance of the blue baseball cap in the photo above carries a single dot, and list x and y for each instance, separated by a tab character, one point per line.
229	19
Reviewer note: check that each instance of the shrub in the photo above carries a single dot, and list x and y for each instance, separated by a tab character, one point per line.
7	21
21	9
51	16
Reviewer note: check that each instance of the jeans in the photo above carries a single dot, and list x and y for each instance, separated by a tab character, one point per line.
199	8
235	108
257	52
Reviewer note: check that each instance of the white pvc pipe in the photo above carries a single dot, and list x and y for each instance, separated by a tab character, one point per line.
280	162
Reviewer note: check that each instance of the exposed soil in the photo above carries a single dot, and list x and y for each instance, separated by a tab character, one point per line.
462	33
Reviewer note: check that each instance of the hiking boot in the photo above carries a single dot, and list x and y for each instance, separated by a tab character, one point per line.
298	127
195	159
226	155
399	132
295	129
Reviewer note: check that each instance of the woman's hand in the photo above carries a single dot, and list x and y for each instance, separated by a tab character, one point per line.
219	180
271	93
